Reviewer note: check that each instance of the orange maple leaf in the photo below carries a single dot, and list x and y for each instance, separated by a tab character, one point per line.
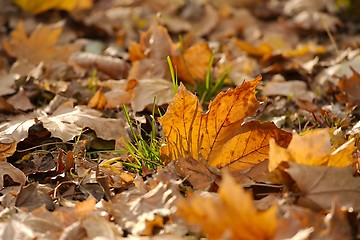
192	65
221	137
39	46
230	215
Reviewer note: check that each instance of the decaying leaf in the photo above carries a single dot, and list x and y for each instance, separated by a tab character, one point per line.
322	186
313	148
229	215
14	173
294	224
142	208
39	46
67	124
138	93
220	137
351	87
38	6
114	67
293	89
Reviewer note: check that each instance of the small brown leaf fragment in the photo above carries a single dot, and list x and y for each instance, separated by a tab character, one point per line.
98	101
7	148
230	214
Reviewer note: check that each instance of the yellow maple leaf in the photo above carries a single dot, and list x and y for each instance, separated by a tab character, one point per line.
314	148
39	6
220	136
39	46
230	215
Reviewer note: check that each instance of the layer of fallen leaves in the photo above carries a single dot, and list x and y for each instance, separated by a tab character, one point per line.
275	155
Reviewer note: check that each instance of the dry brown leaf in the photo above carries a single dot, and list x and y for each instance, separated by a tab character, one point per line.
294	89
220	137
351	87
314	148
68	123
323	186
20	101
229	215
7	148
14	173
298	221
114	67
39	46
193	64
98	101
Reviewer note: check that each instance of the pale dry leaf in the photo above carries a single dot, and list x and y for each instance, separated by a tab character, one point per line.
116	68
338	71
325	186
68	123
7	81
14	173
149	91
294	89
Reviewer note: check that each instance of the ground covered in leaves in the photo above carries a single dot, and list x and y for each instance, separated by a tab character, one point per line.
188	119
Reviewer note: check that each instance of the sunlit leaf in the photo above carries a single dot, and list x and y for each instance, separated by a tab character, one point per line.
314	148
230	214
38	6
220	136
193	64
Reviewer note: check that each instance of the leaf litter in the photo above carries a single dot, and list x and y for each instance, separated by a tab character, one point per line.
179	120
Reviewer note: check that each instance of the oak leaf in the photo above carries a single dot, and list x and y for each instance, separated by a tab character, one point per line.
314	148
229	215
39	46
220	136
